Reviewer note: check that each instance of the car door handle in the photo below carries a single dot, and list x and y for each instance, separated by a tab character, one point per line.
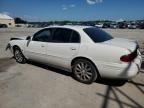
73	48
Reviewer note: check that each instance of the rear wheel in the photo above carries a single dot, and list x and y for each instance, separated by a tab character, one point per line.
19	57
84	71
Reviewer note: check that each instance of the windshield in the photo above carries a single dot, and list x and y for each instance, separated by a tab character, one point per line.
97	35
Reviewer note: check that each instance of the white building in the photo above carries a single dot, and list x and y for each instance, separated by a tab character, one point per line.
7	20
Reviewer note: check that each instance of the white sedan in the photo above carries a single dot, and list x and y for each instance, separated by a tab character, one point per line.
86	51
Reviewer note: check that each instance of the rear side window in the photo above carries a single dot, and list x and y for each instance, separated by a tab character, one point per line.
75	38
62	35
97	35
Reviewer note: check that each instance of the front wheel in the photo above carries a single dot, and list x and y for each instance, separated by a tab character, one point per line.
19	57
84	71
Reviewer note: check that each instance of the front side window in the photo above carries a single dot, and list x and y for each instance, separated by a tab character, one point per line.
62	35
97	35
43	35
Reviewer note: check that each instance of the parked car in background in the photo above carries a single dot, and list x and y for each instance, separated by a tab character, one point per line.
3	26
132	26
122	25
88	52
99	25
106	25
113	25
140	25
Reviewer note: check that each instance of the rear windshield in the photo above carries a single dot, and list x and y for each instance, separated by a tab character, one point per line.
97	35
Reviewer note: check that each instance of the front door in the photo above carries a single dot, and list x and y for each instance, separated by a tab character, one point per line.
37	47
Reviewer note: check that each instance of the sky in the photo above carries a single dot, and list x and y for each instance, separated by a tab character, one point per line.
75	10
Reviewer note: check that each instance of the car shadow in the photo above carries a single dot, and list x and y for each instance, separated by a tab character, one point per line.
49	68
66	73
111	82
112	87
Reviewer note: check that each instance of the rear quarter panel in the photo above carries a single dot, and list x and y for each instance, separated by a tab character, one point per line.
105	57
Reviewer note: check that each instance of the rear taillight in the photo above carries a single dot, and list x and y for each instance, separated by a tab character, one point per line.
129	57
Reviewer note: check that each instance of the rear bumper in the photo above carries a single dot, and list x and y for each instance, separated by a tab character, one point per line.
134	68
121	70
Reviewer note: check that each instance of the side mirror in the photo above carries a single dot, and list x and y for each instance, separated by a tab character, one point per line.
28	38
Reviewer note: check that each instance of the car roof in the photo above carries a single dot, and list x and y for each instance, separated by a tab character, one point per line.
74	27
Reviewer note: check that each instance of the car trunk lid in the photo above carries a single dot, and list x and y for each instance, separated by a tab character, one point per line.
131	45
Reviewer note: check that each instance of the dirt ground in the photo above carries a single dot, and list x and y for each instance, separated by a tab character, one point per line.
32	85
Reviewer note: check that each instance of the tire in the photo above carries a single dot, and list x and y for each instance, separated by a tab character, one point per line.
84	71
19	57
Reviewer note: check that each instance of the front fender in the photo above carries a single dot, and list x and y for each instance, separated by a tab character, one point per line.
19	43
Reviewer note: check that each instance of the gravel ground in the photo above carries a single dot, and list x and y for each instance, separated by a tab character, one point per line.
33	85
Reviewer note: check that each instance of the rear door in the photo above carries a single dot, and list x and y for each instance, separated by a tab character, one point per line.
64	45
